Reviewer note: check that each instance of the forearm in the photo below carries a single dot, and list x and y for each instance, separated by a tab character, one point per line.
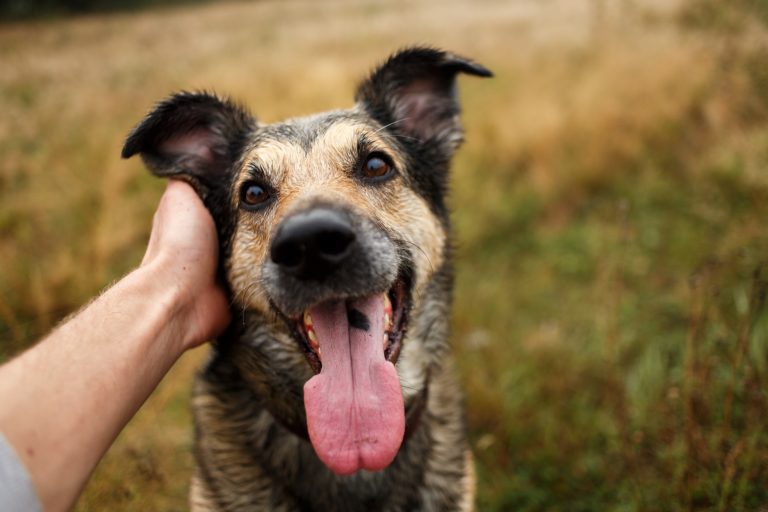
65	400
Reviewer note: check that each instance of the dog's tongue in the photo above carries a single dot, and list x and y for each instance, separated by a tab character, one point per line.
354	406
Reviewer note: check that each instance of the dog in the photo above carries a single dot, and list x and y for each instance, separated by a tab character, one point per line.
332	390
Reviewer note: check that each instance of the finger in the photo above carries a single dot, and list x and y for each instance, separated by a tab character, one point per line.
156	231
182	191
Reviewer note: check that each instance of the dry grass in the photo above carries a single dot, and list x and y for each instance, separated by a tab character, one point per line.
611	203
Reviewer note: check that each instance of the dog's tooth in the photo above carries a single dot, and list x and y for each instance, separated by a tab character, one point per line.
387	313
307	320
387	303
313	339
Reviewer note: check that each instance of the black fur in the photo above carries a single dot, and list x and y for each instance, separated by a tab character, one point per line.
228	127
251	449
434	132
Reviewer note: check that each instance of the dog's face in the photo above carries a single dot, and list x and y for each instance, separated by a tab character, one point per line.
334	238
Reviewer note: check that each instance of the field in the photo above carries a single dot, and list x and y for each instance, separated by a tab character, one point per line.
611	213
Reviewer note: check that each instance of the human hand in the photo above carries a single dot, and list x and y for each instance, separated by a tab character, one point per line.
183	253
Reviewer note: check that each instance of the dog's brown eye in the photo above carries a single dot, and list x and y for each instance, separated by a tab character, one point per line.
254	195
377	166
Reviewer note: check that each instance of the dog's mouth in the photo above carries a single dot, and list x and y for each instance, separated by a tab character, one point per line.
354	403
394	319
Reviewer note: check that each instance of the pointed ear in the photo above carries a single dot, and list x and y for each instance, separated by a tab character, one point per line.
193	136
414	92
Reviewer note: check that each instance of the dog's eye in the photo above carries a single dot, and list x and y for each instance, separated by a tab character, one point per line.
253	195
377	166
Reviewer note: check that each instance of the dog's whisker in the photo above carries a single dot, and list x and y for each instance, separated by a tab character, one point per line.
401	136
392	124
245	296
426	256
243	312
255	292
239	296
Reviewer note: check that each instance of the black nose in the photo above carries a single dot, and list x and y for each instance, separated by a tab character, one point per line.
311	244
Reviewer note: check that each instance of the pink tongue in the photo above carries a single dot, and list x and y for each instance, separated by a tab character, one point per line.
354	406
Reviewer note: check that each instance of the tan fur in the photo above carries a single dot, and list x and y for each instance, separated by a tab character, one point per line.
330	223
470	483
197	500
322	173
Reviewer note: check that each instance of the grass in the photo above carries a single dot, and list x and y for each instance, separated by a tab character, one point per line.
611	203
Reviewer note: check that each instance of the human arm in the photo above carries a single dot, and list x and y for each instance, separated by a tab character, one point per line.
65	400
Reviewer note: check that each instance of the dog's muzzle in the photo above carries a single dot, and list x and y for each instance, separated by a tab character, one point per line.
327	252
311	245
335	277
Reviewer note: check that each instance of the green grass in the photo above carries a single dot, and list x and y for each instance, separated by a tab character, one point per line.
611	212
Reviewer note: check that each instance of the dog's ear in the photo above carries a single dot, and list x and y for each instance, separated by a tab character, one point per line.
414	93
192	136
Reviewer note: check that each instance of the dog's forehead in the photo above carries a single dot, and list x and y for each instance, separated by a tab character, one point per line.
307	130
317	144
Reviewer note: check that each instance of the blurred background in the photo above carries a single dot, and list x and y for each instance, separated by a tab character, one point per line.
611	212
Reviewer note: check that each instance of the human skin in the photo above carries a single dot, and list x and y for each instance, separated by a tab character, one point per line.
65	400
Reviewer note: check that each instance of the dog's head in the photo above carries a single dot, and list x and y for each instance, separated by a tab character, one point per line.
334	237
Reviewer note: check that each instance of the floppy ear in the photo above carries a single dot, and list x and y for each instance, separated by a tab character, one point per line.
414	92
193	136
